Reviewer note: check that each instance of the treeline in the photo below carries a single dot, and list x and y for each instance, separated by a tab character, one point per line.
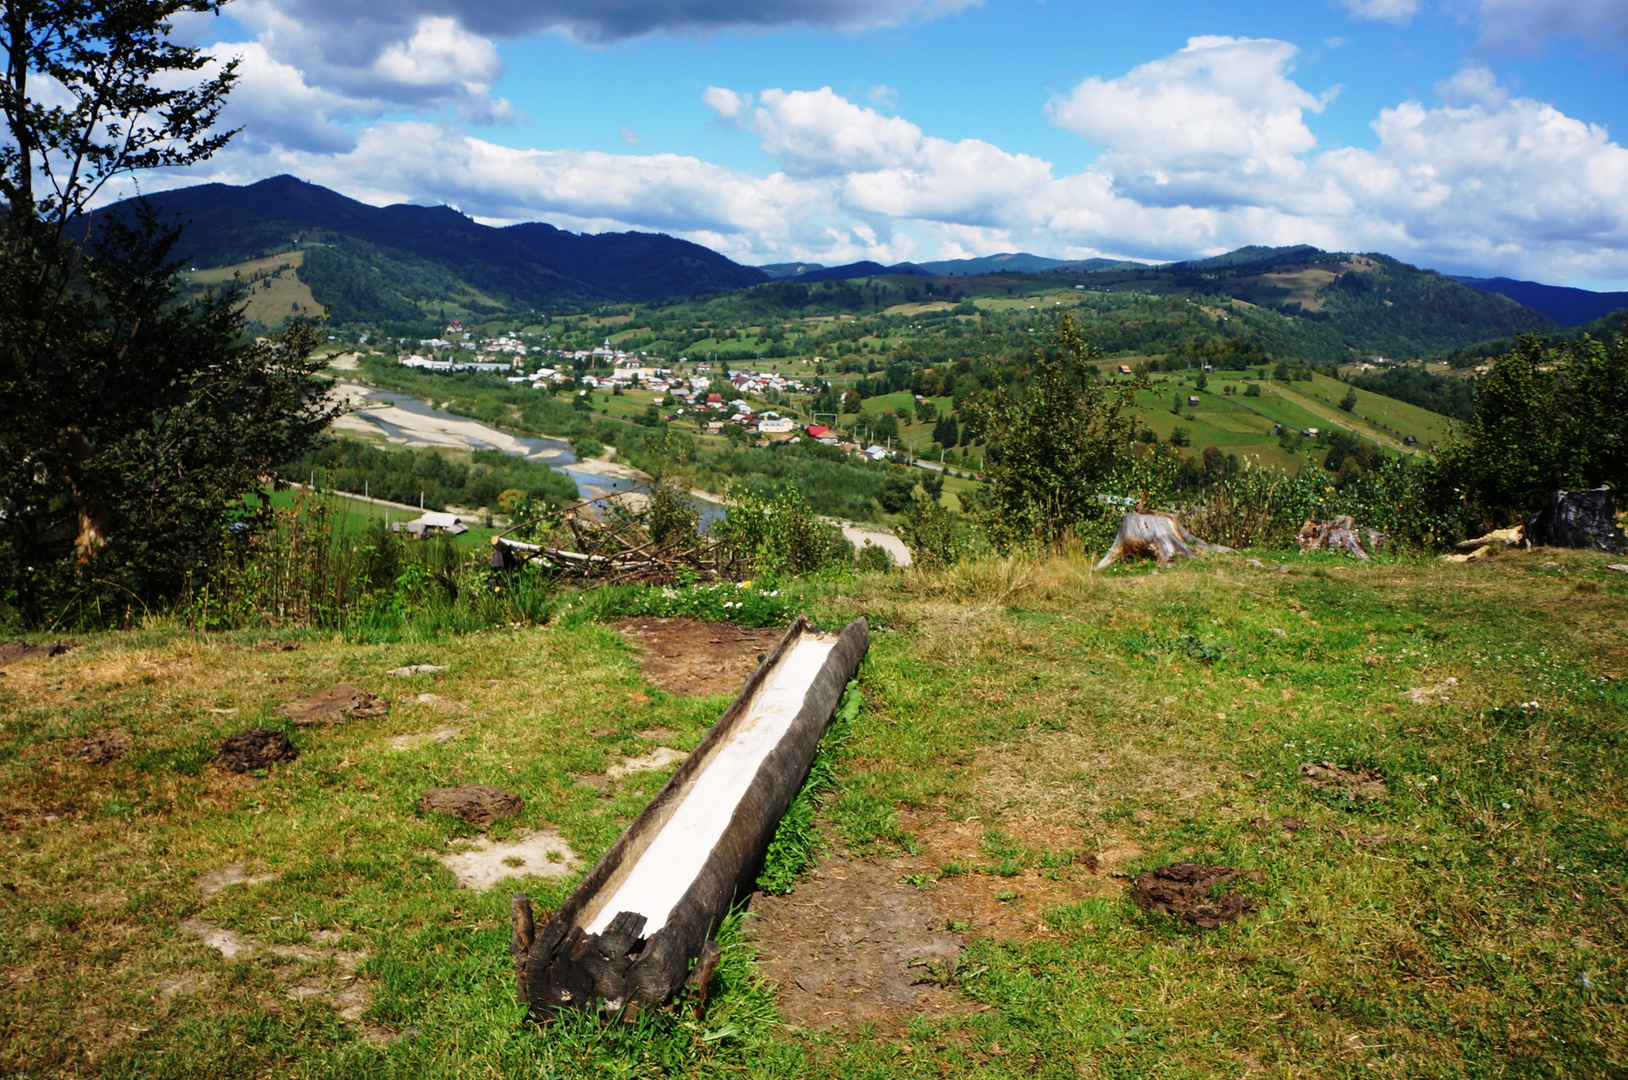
1416	386
405	476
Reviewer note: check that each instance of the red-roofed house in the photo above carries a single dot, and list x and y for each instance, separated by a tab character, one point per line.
818	431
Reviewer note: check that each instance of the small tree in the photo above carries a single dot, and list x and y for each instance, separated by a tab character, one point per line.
1049	447
1349	401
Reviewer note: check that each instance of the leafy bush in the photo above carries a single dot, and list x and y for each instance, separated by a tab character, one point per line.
777	533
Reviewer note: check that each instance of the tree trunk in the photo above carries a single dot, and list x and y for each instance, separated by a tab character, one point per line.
1577	519
1338	535
626	936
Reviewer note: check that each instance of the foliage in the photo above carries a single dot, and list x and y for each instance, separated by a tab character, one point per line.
403	476
1439	393
134	424
1546	418
776	533
936	537
1049	448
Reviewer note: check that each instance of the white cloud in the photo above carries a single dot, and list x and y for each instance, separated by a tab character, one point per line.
441	53
1396	11
1201	152
1220	122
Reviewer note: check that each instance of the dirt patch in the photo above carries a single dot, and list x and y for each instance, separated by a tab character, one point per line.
879	941
256	748
1182	891
99	748
659	758
16	652
236	874
852	945
268	645
1360	838
485	863
320	969
412	742
1424	695
417	669
477	804
335	705
1352	784
692	658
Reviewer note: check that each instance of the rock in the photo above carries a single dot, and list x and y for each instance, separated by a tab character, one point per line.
101	748
334	705
256	748
1577	519
477	804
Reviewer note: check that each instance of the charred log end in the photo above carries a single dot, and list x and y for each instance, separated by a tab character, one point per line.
523	932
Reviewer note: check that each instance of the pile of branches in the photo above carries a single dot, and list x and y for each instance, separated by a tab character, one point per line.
607	541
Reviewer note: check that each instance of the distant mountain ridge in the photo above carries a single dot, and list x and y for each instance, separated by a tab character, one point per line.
1567	306
528	265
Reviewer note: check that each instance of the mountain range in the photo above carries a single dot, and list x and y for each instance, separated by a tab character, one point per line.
409	264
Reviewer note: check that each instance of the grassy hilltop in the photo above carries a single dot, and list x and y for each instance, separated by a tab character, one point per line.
1032	738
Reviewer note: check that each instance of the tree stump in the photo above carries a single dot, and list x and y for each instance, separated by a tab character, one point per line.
1154	536
1338	535
1577	519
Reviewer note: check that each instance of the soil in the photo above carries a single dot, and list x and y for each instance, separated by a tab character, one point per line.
255	748
334	705
236	874
659	758
477	804
1353	784
485	863
692	658
99	748
1182	891
859	942
16	652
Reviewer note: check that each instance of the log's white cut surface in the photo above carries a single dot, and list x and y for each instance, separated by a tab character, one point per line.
670	864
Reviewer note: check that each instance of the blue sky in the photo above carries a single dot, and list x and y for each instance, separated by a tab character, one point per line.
1473	136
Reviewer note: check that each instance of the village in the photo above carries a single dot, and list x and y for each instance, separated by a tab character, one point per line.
709	395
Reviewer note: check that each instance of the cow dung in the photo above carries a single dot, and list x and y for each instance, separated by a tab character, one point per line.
1182	891
477	804
255	748
1351	783
334	705
99	748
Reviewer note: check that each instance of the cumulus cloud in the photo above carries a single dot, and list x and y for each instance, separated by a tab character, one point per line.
1202	151
1218	122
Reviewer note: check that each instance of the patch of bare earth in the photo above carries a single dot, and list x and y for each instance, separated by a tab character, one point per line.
879	940
484	863
692	658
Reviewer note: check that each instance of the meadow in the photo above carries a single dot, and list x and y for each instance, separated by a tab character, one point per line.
1032	737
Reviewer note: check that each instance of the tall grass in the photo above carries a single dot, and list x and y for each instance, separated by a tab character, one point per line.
315	567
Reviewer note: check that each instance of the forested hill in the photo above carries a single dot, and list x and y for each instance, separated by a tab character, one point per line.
389	262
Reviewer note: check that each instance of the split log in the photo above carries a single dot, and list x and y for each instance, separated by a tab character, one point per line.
1577	519
1154	536
1338	535
1514	536
626	937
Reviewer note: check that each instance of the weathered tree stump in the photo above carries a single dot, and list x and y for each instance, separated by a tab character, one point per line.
1577	519
1154	536
625	938
1338	535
